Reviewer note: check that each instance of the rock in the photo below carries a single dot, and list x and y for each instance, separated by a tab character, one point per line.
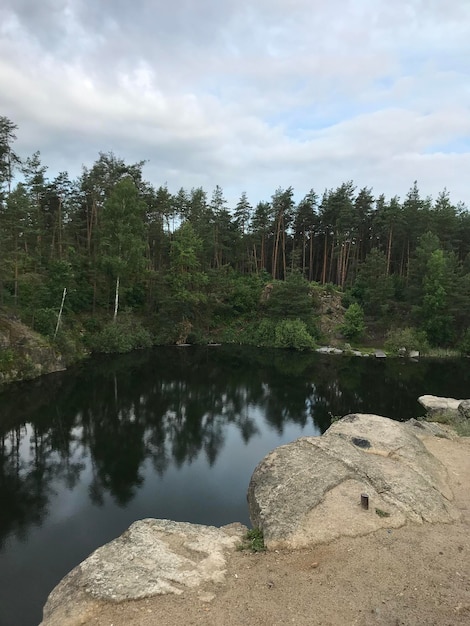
152	557
414	354
308	491
437	406
380	354
464	409
26	354
329	350
432	429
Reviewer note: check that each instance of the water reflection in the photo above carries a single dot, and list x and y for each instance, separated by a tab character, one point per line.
173	432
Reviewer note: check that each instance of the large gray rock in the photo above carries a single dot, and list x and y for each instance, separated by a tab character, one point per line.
464	409
308	491
437	406
152	557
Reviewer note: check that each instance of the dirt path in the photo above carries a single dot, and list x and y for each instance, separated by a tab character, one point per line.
418	575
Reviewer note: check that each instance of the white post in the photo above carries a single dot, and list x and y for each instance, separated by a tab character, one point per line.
60	312
116	299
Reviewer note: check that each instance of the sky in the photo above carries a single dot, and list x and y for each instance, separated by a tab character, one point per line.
248	95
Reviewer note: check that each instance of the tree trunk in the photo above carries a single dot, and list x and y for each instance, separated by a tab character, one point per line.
59	317
310	262
389	250
325	257
116	300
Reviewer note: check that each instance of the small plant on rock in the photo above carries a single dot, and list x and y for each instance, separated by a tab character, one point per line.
253	540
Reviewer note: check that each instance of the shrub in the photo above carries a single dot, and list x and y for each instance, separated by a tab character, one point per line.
293	334
408	338
264	332
464	345
353	326
121	336
45	321
7	358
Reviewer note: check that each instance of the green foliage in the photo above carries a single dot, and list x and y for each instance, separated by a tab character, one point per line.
408	338
268	333
353	326
464	345
45	321
293	334
290	298
186	248
189	263
461	425
124	335
373	288
245	295
253	540
437	322
7	358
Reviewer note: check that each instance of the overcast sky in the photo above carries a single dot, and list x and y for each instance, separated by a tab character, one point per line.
247	95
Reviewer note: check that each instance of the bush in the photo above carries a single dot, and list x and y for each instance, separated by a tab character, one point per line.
290	298
464	345
263	333
293	334
353	326
408	338
121	336
7	358
45	321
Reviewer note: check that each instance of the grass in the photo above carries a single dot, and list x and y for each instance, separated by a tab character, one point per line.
459	424
381	513
253	540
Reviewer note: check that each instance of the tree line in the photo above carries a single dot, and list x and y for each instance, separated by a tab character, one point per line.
192	263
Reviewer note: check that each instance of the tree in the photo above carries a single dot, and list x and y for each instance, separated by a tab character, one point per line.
373	287
35	182
186	298
305	224
353	326
122	235
9	160
242	215
282	206
436	320
260	229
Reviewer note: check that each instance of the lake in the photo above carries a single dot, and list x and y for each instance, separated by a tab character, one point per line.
168	433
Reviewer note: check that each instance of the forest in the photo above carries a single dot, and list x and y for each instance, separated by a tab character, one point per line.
121	263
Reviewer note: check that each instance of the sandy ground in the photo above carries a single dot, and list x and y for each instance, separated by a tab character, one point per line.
415	575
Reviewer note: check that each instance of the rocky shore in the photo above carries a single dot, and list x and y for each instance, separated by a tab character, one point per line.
308	499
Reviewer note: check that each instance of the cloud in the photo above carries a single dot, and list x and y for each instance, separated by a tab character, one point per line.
248	95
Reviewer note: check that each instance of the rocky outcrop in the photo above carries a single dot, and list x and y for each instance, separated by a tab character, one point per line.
309	491
464	409
152	557
437	406
450	408
24	354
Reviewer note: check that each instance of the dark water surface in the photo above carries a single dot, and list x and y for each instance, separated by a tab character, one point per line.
168	433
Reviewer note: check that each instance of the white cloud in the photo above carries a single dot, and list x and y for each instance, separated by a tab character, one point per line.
248	95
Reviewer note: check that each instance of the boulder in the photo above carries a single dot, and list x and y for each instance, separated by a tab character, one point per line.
309	491
464	409
437	406
329	350
152	557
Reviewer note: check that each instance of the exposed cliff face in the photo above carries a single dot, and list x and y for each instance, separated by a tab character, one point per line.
24	354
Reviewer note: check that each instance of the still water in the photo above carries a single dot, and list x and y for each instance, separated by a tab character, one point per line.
168	433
